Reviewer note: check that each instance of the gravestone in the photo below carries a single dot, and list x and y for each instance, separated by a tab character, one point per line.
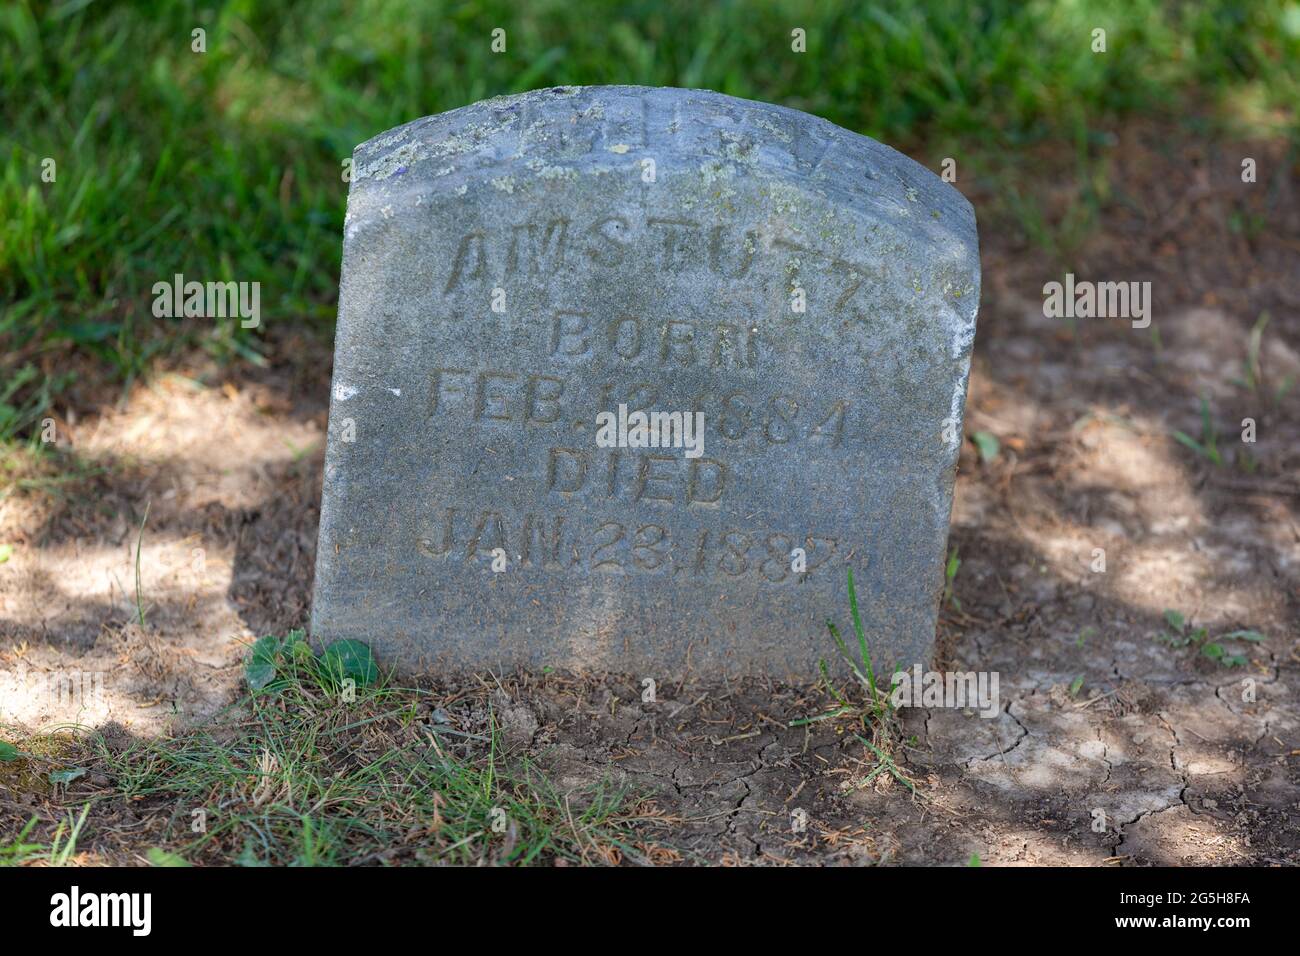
516	268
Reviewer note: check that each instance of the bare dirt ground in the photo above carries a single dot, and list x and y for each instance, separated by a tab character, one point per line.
1182	759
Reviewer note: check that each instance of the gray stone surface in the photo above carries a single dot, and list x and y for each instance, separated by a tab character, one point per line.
473	429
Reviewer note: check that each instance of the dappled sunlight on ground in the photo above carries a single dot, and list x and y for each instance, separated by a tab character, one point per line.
182	460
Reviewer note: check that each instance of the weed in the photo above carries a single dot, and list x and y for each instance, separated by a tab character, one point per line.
1207	447
949	580
875	714
139	543
1178	634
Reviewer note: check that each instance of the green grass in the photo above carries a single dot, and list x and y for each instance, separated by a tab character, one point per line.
58	851
298	776
875	714
304	782
1208	446
226	165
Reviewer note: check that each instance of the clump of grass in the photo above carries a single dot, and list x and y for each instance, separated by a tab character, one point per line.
1253	378
17	851
26	470
39	765
58	851
301	773
25	394
1208	446
874	715
305	779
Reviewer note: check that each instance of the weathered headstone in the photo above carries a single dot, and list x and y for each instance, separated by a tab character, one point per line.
513	269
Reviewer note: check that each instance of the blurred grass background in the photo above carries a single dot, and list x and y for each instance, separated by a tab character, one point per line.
226	165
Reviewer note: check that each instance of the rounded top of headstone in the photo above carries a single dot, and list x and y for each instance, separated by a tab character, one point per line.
556	134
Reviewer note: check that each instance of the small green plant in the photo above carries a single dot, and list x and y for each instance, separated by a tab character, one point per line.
886	763
988	446
139	543
348	659
1156	344
273	662
1208	446
950	578
1283	388
63	845
160	857
1254	373
66	776
862	668
8	752
18	851
1176	635
883	726
25	395
1180	635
